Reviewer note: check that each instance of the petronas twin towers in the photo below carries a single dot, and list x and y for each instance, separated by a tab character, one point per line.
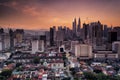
76	28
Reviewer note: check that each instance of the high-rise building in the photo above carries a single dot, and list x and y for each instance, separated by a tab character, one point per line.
55	33
117	29
19	33
74	27
43	37
2	38
112	36
60	34
42	42
51	37
105	31
47	34
7	41
35	46
38	45
79	25
11	33
116	47
85	31
97	33
41	45
79	28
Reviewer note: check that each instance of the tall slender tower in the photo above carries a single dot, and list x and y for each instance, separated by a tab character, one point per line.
74	27
51	37
2	38
79	25
11	34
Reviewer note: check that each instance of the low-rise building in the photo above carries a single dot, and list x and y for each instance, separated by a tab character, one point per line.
83	51
102	55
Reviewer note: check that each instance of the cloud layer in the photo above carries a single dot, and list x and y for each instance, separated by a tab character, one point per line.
38	14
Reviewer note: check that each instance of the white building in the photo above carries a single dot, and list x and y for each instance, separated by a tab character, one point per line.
41	45
111	55
74	64
37	46
57	65
116	47
4	56
102	55
7	41
83	51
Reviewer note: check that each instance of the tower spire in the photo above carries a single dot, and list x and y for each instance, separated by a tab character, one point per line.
79	25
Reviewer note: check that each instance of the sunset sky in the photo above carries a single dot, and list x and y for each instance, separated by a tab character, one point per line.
42	14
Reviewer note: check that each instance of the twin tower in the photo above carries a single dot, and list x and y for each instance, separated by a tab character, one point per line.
76	28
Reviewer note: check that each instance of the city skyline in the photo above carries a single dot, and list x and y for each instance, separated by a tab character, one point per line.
42	14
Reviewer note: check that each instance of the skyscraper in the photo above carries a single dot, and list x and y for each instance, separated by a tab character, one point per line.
117	29
74	27
79	25
11	33
85	31
19	35
112	36
97	33
2	38
42	42
51	37
79	28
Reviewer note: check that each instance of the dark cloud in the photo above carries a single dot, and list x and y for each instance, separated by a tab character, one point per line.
4	1
46	12
6	11
13	8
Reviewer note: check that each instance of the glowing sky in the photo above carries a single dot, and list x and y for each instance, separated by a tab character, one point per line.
42	14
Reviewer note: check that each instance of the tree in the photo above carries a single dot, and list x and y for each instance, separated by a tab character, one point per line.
18	64
19	68
101	76
2	77
73	71
28	79
9	62
68	78
6	73
117	78
116	68
36	60
90	76
97	71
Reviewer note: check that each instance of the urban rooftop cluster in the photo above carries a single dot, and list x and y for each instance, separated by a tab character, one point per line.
85	52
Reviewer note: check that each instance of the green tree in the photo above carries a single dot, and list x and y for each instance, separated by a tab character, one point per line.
19	68
116	68
114	77
90	76
28	79
9	62
2	77
6	73
36	60
102	76
18	64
